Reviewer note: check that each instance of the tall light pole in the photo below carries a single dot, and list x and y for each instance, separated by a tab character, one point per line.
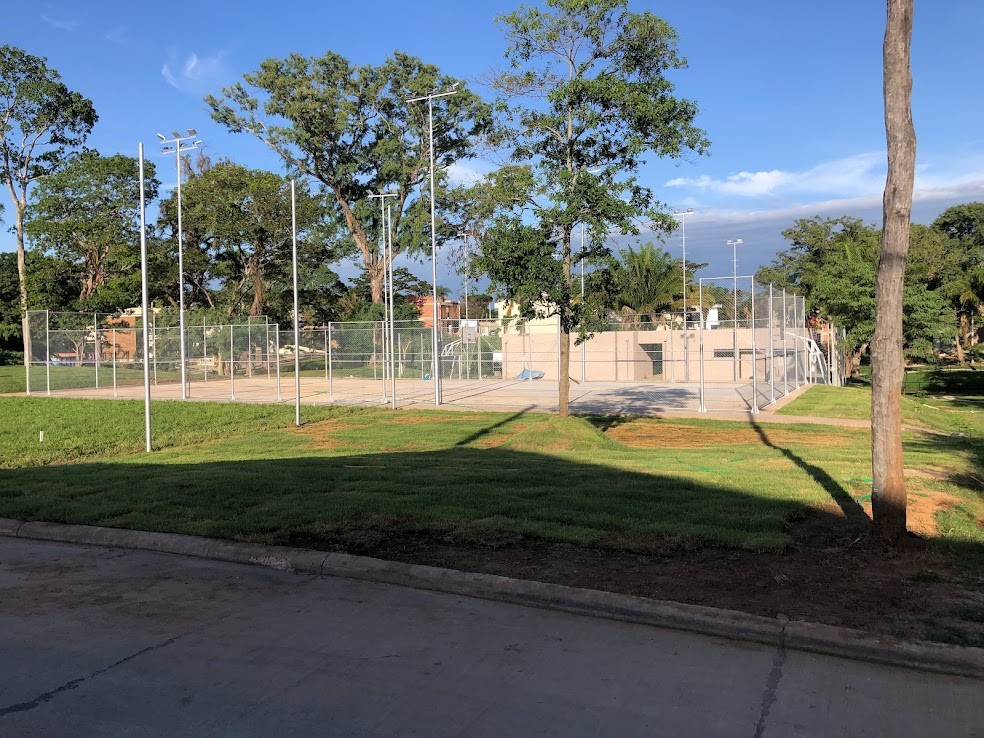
682	215
178	145
382	250
436	336
734	322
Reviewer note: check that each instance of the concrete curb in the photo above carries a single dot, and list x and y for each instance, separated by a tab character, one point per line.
780	632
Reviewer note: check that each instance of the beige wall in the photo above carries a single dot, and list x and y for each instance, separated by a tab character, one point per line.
619	356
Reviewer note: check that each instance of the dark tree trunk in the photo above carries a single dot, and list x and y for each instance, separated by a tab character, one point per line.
888	489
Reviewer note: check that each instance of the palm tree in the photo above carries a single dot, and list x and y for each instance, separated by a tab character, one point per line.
646	280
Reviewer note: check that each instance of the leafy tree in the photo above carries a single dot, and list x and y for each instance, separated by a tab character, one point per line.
888	493
88	214
350	128
239	221
587	90
833	262
646	280
41	121
961	275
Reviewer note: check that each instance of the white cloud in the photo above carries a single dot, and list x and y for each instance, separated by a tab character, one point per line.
62	24
465	173
195	74
851	176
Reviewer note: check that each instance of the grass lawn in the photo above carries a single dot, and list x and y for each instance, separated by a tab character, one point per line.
946	414
576	500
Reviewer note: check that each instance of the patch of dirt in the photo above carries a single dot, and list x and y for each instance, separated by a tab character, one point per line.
671	435
834	572
923	503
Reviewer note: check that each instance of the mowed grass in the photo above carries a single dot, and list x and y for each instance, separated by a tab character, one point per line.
243	472
946	414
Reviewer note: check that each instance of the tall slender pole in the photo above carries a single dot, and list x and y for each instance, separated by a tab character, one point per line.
755	407
392	303
95	346
686	336
232	362
180	145
47	351
785	348
583	348
145	304
181	291
331	392
297	314
700	348
772	347
734	327
436	318
435	330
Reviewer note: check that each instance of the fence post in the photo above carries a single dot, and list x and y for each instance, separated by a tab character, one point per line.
95	346
47	351
153	316
755	407
700	346
331	393
205	346
276	335
785	349
114	363
772	347
232	362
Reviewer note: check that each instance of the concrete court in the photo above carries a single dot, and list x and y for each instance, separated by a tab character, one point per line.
629	398
97	641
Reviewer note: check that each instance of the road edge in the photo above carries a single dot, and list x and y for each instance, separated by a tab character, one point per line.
798	635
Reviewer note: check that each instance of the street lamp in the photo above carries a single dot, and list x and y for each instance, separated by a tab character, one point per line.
178	145
436	337
734	322
682	215
387	284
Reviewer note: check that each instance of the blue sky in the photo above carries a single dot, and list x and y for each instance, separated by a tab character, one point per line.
789	92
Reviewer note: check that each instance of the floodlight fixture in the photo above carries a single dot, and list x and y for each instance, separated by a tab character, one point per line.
436	336
162	137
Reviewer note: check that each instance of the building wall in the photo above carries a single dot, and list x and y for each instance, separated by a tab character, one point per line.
623	355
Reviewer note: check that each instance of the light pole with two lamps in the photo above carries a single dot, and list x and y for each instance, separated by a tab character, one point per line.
178	145
436	336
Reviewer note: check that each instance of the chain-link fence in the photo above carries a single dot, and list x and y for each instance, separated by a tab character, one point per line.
742	347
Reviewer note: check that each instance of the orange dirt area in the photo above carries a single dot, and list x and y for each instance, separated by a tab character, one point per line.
922	503
657	434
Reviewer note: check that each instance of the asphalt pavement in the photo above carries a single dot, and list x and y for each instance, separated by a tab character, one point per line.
102	642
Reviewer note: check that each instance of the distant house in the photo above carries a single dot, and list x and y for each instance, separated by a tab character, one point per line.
446	309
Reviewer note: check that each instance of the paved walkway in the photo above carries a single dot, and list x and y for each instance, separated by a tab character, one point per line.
98	641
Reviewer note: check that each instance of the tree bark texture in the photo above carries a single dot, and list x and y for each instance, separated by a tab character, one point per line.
888	488
22	282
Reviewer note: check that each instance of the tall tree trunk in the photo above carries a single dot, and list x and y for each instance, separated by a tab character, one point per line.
22	279
256	282
888	488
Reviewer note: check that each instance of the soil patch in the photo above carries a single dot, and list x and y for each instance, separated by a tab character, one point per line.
833	572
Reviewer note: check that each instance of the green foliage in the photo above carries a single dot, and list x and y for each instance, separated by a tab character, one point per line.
350	128
833	261
239	222
586	100
87	215
646	280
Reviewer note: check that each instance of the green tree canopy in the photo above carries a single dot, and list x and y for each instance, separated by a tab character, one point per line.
41	122
350	128
239	221
88	215
586	100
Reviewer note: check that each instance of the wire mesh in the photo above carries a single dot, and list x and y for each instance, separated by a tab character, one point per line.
747	346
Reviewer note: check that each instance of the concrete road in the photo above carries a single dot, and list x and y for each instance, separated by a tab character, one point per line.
103	642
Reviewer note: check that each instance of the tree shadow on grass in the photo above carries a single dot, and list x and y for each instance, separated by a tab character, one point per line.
852	511
269	500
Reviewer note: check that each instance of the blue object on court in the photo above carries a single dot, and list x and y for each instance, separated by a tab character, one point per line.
528	374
